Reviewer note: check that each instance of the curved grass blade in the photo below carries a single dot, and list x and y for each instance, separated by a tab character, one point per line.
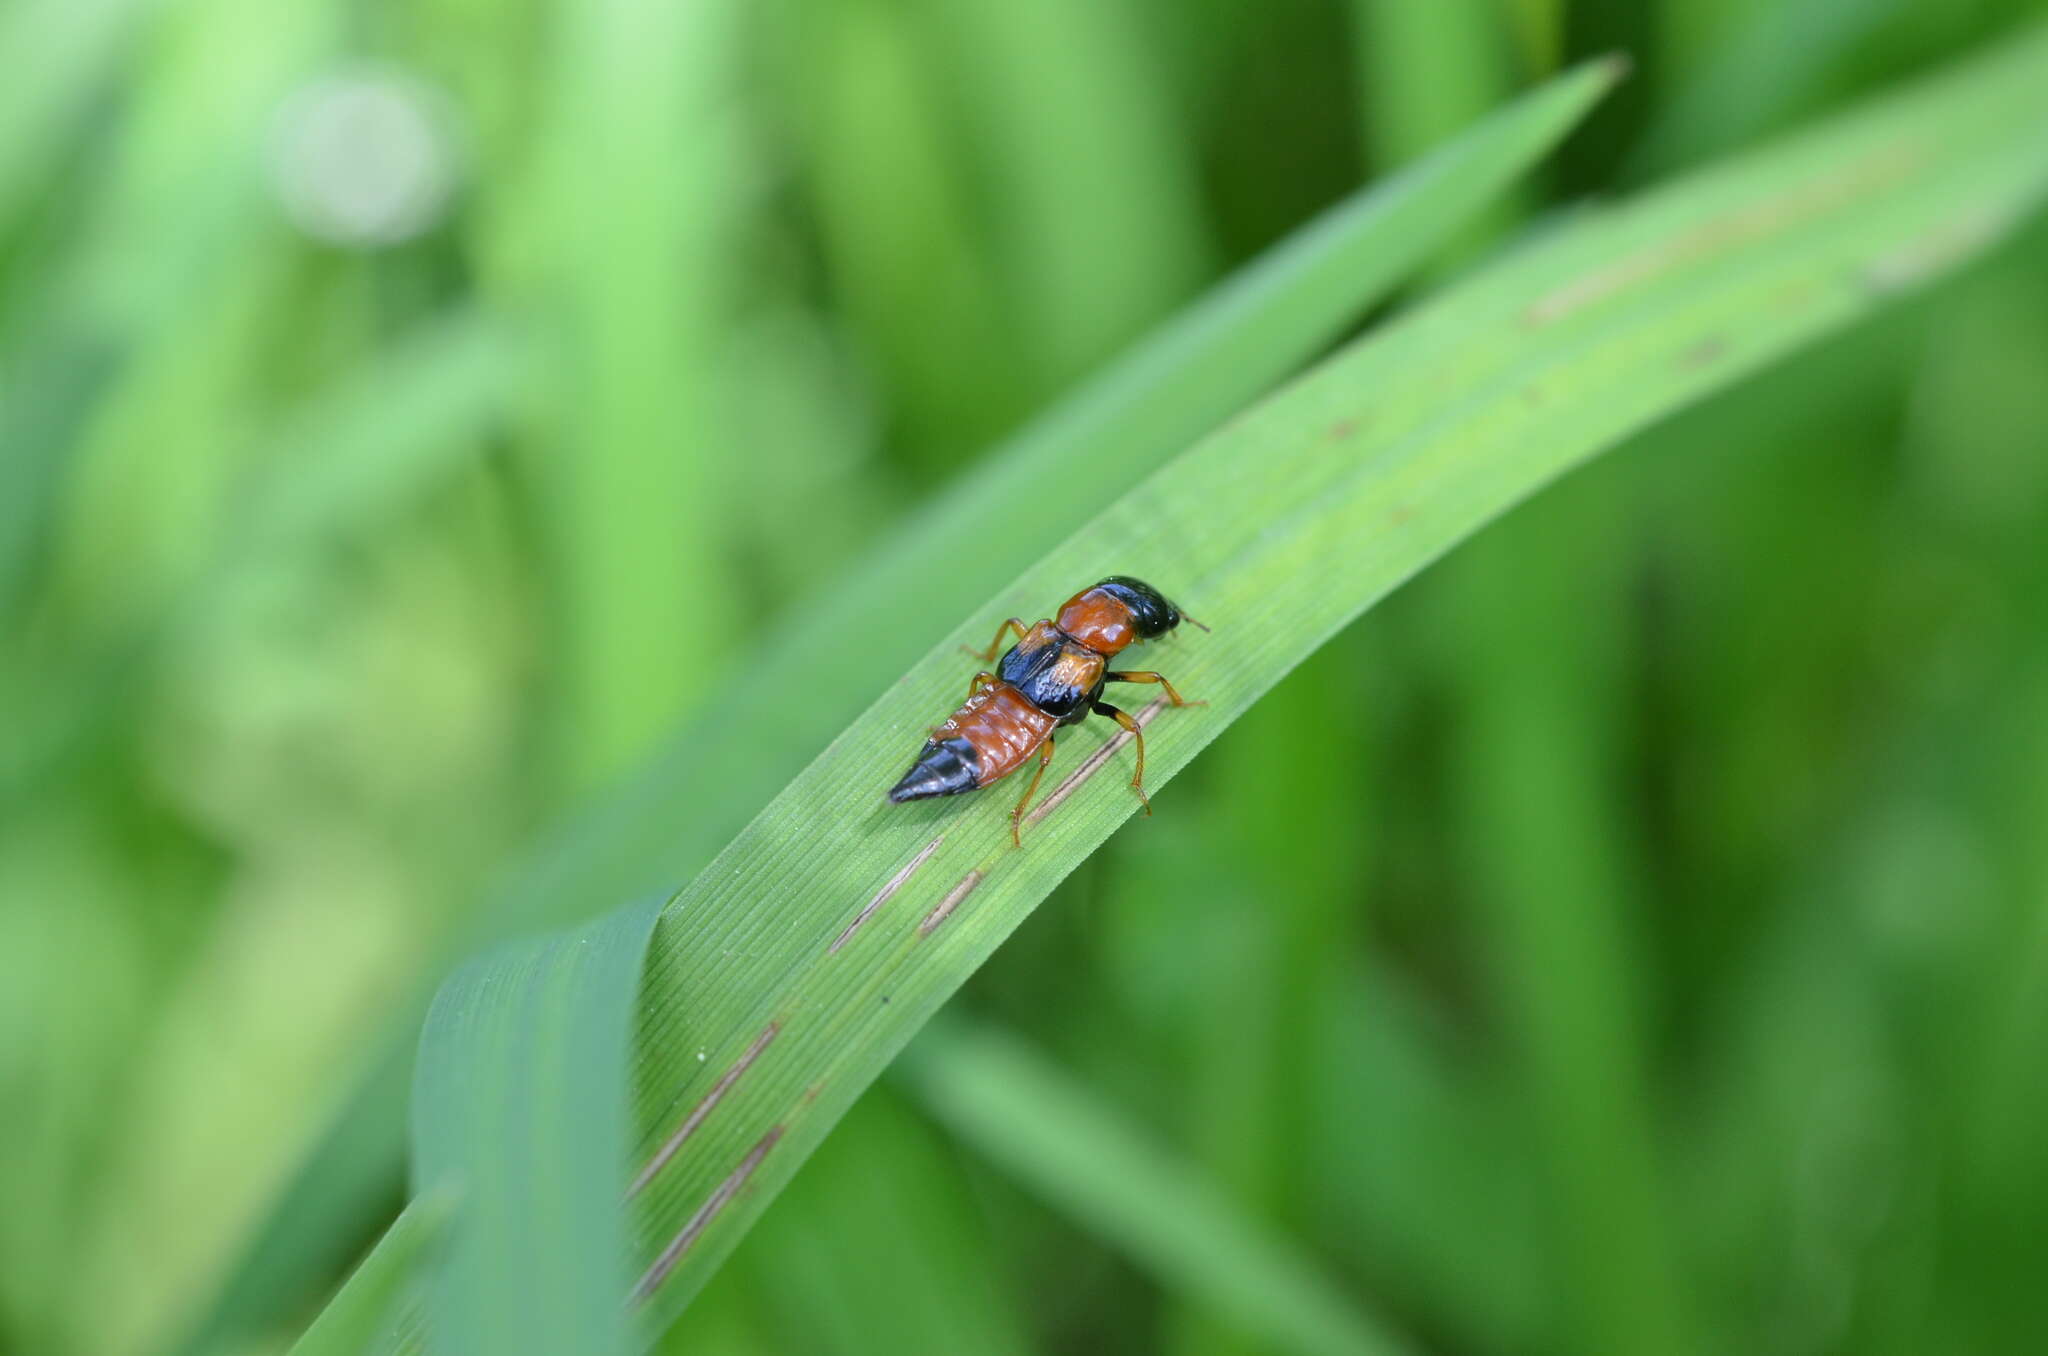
1208	363
788	974
519	1116
1022	1113
664	823
366	1313
770	998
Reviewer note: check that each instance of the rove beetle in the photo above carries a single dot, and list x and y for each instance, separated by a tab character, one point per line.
1052	676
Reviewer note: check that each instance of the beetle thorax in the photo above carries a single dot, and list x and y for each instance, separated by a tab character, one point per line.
1098	620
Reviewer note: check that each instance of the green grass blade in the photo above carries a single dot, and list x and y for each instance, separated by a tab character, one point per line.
1020	1111
58	55
1550	877
639	95
892	201
331	1199
1222	352
788	974
519	1115
897	1182
365	1311
1423	70
380	437
1098	198
1209	362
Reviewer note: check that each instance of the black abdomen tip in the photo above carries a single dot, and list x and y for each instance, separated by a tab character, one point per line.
941	769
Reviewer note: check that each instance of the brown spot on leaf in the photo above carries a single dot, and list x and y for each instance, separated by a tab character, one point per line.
1704	353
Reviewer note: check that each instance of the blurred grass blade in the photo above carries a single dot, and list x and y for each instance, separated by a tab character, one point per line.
639	92
383	434
58	55
788	974
519	1114
1020	1111
664	824
896	1181
366	1311
1099	198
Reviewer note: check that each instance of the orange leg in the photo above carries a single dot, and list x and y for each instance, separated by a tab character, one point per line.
1171	695
1125	719
1017	815
990	653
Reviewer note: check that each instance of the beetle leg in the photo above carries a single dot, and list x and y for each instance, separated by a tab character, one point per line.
990	653
1171	695
1017	815
1125	719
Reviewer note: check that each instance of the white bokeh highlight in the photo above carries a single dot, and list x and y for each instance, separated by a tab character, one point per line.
364	158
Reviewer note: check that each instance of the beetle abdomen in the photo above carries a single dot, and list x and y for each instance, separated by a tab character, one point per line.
993	731
943	768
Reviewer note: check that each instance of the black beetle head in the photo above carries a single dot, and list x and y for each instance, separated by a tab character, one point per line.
1151	614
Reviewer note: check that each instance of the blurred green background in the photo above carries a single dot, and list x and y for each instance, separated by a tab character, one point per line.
1634	937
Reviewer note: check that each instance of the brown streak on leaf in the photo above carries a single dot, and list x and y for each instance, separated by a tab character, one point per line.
896	882
717	1201
1740	225
1931	251
702	1109
1093	762
951	902
1704	353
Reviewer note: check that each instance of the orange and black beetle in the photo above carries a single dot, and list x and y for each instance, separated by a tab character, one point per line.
1052	676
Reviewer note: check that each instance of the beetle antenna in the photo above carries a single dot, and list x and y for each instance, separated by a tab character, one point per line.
1192	622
